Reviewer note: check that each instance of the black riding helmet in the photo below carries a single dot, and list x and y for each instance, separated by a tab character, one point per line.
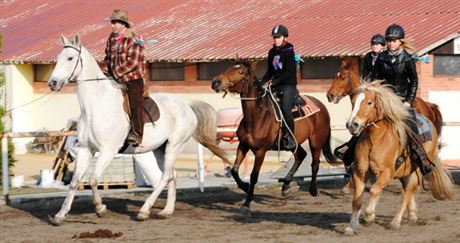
280	30
394	31
378	39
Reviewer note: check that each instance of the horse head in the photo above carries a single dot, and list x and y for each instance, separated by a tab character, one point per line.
234	80
343	83
68	64
374	103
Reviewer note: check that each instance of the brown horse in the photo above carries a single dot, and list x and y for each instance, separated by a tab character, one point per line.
380	116
348	78
258	130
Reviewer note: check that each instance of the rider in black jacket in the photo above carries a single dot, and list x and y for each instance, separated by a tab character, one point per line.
377	44
282	71
396	67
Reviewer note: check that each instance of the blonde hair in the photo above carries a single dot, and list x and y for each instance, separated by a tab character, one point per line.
407	46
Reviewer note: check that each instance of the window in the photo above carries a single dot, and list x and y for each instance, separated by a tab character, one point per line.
324	68
208	70
42	72
446	65
166	71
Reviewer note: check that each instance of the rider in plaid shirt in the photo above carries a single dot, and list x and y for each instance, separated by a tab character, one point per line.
124	61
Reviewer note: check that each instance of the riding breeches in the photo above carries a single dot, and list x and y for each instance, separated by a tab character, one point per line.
287	102
135	92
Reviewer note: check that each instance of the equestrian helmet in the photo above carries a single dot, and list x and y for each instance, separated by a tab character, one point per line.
394	31
280	30
378	39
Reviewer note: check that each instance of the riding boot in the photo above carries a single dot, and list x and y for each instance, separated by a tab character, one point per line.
416	146
346	152
420	155
135	90
289	143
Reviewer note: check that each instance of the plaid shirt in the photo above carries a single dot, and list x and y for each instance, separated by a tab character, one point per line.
125	62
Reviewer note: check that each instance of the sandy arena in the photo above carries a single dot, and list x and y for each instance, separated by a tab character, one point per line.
214	217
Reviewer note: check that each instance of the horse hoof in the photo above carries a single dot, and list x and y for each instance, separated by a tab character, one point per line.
141	216
160	215
369	219
245	211
57	221
349	231
101	211
394	226
285	192
413	220
347	189
313	191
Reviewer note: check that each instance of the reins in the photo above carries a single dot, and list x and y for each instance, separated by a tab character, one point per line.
80	60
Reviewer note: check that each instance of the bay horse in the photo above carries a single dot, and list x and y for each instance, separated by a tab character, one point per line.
258	130
348	79
103	126
380	117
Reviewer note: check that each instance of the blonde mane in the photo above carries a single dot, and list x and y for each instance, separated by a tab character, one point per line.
391	108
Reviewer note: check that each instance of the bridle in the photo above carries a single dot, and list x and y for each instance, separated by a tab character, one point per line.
80	60
245	86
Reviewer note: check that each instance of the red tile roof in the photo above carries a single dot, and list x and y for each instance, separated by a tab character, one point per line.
206	30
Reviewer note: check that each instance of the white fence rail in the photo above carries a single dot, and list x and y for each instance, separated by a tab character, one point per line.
5	136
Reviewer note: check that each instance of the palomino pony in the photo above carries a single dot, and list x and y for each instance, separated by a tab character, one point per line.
348	79
258	130
103	126
380	116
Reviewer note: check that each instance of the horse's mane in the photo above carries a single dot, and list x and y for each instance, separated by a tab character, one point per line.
391	107
114	83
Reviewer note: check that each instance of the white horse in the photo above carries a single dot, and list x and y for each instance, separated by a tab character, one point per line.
103	126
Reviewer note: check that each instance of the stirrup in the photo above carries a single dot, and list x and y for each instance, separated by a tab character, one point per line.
133	139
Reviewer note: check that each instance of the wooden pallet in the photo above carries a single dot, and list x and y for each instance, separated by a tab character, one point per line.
109	185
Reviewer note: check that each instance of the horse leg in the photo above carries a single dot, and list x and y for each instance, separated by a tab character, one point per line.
240	155
172	150
83	157
299	157
359	183
104	159
376	190
149	166
258	161
409	184
315	153
171	198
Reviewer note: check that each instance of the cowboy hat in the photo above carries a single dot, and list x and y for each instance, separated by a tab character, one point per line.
120	15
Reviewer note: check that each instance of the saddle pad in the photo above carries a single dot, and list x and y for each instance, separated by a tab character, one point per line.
150	113
300	111
424	128
150	110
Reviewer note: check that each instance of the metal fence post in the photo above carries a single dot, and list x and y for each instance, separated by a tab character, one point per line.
5	170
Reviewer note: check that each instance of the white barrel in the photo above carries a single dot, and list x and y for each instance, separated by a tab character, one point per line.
17	181
46	178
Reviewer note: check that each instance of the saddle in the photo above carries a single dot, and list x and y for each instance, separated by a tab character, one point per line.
150	110
425	131
424	134
303	106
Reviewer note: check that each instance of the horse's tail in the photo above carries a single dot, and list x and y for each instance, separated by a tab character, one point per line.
206	130
440	181
327	151
438	122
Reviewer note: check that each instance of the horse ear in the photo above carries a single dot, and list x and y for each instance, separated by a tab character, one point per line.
345	64
76	40
253	65
64	41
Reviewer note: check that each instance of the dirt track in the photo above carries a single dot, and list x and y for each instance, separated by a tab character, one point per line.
214	217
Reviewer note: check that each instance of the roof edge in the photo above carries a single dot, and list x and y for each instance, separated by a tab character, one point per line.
437	44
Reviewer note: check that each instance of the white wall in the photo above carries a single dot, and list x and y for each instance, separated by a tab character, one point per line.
448	103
